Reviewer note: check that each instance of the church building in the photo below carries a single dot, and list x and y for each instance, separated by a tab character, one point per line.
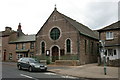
62	38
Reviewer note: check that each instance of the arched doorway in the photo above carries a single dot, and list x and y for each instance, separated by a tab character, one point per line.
55	53
4	56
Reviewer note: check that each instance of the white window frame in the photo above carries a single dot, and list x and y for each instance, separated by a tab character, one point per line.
10	56
109	35
17	46
19	56
23	46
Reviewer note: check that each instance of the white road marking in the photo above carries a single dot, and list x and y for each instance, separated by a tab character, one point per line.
69	77
26	76
50	73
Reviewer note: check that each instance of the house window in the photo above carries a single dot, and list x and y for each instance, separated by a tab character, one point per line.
89	48
106	52
17	46
19	56
10	56
43	47
23	45
85	46
110	52
115	52
55	33
109	35
97	48
32	45
92	47
68	45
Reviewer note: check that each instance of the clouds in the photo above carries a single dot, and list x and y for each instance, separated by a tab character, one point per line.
101	14
33	13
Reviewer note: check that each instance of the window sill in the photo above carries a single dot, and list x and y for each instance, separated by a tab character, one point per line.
109	39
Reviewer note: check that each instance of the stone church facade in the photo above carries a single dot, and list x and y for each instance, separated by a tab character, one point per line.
62	38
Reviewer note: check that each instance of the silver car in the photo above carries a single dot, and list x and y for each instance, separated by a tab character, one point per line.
30	64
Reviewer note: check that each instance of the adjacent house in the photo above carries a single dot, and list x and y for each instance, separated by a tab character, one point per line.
5	37
111	36
15	44
62	38
24	46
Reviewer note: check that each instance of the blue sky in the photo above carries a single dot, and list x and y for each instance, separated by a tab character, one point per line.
32	14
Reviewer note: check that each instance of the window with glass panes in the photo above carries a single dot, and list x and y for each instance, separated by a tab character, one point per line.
85	46
68	46
32	45
17	46
43	47
23	45
109	35
55	33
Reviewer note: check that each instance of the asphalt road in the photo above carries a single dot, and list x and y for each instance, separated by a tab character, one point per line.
10	72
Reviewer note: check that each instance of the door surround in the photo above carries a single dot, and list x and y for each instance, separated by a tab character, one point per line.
52	53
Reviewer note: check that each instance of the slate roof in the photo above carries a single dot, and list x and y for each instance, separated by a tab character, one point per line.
115	25
25	38
6	33
81	28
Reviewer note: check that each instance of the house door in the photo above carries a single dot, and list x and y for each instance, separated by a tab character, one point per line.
4	56
25	54
55	53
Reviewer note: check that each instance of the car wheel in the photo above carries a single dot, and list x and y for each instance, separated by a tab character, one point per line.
30	69
19	67
45	70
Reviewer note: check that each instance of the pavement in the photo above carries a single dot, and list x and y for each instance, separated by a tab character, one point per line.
89	71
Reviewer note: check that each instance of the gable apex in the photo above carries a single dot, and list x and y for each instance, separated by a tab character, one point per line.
78	26
54	11
112	26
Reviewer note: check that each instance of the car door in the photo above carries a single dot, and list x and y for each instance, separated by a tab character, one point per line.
24	63
21	62
27	63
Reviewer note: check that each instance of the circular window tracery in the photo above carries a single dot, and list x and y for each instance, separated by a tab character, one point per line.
55	33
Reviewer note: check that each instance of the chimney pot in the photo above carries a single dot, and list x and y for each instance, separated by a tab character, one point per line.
8	28
19	26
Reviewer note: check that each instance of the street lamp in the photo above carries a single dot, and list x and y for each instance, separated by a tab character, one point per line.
104	56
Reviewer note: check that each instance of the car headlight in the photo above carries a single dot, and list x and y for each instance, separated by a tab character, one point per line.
45	66
36	66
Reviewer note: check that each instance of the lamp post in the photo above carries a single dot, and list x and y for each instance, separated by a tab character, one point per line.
104	56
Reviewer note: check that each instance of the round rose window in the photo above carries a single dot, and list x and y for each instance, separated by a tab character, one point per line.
55	33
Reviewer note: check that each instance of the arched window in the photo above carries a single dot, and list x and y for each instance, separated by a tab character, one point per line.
55	33
43	47
68	45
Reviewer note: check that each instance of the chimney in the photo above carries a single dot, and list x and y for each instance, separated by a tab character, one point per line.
19	30
19	26
8	28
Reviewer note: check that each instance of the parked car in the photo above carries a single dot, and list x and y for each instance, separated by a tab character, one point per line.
30	64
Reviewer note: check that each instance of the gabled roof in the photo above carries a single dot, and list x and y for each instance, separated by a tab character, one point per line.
80	27
25	38
111	27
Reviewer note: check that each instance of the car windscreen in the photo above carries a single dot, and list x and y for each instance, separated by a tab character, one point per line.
33	61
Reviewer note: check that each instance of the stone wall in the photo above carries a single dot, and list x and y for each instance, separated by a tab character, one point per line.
114	63
67	62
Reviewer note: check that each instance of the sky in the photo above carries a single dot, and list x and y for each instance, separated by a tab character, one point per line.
32	14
